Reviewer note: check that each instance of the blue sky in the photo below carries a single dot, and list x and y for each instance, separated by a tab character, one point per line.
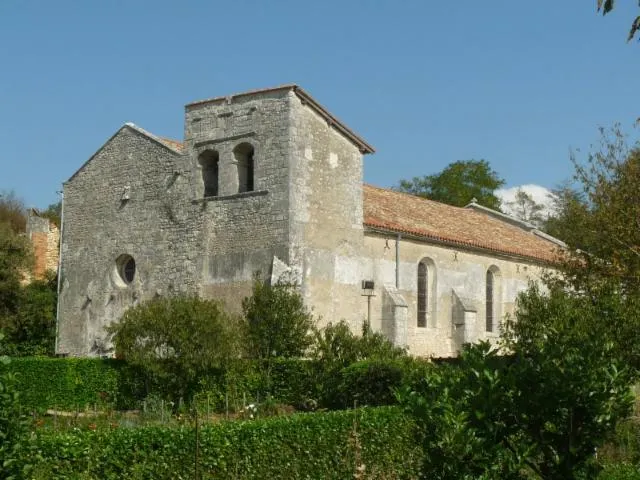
426	82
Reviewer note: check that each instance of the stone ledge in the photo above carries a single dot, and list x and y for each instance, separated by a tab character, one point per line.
254	193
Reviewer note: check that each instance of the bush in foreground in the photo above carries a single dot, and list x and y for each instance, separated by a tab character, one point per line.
177	341
539	412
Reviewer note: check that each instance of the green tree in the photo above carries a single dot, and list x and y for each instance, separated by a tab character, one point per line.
177	341
605	6
599	217
525	208
568	208
538	412
30	330
458	184
278	323
15	259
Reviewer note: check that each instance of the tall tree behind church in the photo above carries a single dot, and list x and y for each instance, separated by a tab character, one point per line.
458	184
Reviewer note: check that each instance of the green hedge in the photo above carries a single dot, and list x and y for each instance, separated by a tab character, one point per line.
76	383
303	446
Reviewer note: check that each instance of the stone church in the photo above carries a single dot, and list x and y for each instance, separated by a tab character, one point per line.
270	181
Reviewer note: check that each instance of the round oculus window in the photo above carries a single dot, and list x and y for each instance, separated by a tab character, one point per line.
125	269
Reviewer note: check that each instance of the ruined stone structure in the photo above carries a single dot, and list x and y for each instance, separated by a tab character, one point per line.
44	236
270	181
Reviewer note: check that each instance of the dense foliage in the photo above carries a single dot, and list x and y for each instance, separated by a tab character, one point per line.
367	443
177	341
597	217
458	184
30	330
539	411
13	425
15	258
278	323
27	312
601	216
73	384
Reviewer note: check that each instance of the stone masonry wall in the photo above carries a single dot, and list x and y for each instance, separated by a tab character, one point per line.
242	232
129	199
450	270
326	217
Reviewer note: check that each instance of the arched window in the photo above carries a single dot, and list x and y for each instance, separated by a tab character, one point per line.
423	295
426	294
209	160
492	299
244	158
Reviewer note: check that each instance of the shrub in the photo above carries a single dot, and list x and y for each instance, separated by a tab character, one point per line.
336	445
278	323
177	341
368	382
336	347
336	344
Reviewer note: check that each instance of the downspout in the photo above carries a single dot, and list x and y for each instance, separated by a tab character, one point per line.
398	237
59	268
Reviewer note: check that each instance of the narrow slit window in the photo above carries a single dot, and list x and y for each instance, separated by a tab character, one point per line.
490	314
423	296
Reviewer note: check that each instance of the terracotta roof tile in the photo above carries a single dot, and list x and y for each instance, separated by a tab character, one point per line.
176	145
404	213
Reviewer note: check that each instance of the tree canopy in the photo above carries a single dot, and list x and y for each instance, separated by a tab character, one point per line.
458	184
599	217
525	208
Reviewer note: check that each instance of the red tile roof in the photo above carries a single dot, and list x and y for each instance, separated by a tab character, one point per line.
176	145
400	212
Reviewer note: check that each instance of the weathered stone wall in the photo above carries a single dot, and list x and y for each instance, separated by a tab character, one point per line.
326	217
129	199
242	232
451	270
45	237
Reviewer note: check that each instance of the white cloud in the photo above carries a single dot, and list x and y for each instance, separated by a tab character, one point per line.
540	195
